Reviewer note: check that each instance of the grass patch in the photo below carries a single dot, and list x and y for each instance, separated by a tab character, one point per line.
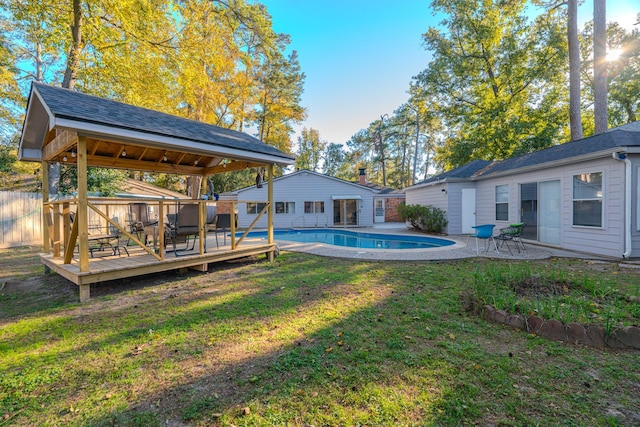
558	293
302	341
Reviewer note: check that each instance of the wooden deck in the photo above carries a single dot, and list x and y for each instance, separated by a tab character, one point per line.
105	266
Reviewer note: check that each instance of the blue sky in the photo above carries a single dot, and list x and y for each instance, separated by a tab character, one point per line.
359	56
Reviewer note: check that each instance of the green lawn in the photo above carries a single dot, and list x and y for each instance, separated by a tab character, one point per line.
302	341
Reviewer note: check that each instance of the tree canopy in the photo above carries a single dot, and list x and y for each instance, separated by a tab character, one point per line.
214	61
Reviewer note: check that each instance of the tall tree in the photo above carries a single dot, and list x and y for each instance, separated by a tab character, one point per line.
496	77
623	72
73	57
279	108
333	159
310	149
575	119
600	65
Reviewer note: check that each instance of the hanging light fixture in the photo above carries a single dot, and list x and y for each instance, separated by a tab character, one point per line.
164	158
124	153
64	158
73	153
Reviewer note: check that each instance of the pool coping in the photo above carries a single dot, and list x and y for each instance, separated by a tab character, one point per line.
459	250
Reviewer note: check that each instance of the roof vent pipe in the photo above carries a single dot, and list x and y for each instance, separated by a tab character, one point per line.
627	202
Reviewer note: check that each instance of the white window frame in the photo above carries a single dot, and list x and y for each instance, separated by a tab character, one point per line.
283	208
317	206
599	198
502	192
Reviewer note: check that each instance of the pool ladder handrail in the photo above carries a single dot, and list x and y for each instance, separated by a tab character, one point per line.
295	219
326	220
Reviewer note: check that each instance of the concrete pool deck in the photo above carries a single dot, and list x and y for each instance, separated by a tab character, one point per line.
459	250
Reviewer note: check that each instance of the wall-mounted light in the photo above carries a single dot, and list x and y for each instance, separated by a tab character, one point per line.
444	190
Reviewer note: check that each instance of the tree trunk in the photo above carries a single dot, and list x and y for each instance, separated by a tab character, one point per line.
73	60
415	153
39	63
575	121
600	65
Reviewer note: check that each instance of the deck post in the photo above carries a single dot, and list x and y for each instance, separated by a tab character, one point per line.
45	208
84	292
83	207
270	254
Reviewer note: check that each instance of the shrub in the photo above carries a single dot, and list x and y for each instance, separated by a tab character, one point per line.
425	218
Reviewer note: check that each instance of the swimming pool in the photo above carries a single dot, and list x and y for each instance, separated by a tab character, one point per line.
355	239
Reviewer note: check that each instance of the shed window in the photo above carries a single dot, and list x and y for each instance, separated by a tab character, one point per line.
502	202
285	207
313	207
587	199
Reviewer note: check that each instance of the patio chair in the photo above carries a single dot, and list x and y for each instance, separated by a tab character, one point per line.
517	233
484	232
102	237
183	226
511	233
221	224
142	223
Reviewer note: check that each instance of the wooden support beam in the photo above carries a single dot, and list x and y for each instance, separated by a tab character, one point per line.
270	255
59	144
231	167
133	164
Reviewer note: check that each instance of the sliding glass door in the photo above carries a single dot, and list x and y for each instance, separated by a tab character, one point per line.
549	215
540	210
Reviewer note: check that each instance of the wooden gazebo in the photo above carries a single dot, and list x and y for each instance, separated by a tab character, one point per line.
68	127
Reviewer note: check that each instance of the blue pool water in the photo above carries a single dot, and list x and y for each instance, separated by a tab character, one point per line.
355	239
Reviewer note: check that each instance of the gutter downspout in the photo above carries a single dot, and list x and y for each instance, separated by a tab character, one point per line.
627	202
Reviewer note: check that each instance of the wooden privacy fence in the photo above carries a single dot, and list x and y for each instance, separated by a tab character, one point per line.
20	218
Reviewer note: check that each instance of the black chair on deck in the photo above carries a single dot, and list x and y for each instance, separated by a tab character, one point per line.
221	224
182	227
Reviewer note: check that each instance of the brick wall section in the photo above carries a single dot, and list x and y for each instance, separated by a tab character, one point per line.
391	209
223	206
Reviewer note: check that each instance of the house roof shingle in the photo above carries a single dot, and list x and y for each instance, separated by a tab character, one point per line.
79	107
607	142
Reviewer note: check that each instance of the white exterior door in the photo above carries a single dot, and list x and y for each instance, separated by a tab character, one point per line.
379	211
468	210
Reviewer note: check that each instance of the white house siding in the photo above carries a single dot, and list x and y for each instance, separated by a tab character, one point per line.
454	210
299	187
635	203
608	240
432	195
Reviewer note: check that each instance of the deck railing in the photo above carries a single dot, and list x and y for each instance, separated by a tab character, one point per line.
61	233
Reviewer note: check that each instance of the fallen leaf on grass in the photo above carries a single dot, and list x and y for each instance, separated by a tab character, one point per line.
451	336
340	343
329	349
